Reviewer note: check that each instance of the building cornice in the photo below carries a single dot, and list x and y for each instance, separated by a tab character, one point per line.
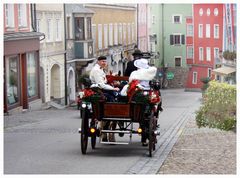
113	6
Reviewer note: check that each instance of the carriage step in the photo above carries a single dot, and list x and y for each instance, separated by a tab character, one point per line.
115	143
117	119
116	131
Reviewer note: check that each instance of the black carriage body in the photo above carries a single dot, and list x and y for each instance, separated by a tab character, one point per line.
130	111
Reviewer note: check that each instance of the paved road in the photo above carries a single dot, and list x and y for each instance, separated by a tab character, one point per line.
48	142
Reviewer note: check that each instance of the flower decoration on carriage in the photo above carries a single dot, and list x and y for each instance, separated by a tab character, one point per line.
136	93
133	87
154	96
86	93
91	95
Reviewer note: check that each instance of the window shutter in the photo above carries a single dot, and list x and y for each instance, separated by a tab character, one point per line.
183	39
171	39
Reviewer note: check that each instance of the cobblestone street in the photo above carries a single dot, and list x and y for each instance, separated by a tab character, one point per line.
202	151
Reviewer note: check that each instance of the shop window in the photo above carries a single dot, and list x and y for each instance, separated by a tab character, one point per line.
31	74
12	79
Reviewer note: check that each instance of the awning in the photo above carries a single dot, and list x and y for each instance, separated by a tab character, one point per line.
224	70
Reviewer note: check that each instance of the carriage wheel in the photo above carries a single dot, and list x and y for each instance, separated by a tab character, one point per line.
84	132
93	141
150	137
154	125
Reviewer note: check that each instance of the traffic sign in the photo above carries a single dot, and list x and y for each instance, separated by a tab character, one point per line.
170	75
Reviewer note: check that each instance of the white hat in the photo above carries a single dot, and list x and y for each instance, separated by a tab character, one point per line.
141	63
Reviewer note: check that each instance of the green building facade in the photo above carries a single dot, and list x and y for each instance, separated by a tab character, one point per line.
168	28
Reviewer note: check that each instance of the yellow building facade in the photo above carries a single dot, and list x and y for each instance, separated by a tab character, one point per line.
114	29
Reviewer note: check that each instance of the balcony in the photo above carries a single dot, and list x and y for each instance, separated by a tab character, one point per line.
83	49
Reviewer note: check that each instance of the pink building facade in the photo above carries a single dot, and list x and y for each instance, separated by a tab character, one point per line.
206	42
21	58
142	27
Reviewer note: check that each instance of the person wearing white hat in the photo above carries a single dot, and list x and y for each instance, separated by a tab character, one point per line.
144	74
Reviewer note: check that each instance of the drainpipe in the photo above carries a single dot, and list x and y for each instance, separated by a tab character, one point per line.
65	53
34	19
163	60
137	26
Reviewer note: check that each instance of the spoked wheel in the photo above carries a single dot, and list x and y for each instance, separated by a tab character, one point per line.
151	135
154	125
84	132
93	141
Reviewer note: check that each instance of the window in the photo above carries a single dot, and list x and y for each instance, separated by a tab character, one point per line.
115	34
110	34
79	28
31	74
22	15
99	36
178	62
9	15
208	54
129	33
201	12
12	78
208	30
153	19
49	30
200	30
194	79
124	34
105	31
200	53
38	22
189	30
216	53
190	52
89	29
120	33
58	30
133	33
94	37
209	72
216	11
208	12
177	19
177	39
216	31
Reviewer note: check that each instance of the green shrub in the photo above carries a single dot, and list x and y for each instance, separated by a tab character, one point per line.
205	81
219	107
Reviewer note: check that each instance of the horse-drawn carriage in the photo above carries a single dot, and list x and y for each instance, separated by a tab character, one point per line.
140	106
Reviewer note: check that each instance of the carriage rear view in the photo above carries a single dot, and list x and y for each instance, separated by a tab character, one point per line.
136	115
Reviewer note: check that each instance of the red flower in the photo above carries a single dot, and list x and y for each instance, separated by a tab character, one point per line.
154	96
88	93
132	87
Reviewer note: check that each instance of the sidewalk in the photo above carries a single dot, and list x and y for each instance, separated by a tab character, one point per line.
202	151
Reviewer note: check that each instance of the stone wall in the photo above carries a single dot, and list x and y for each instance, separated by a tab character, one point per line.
180	77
